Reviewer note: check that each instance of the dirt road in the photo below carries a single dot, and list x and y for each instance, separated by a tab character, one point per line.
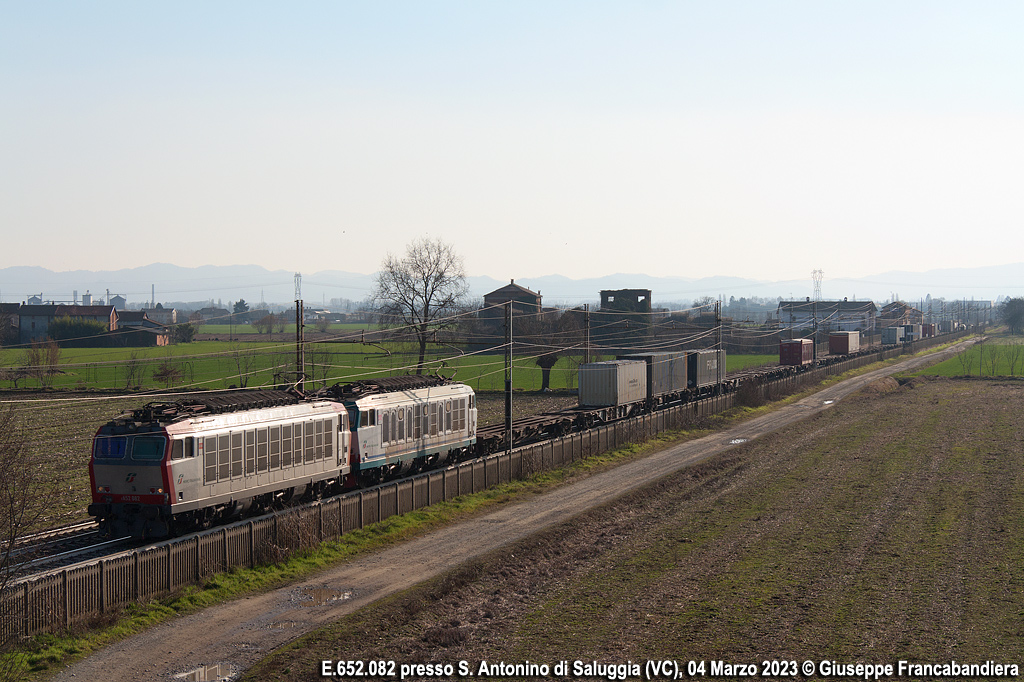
237	634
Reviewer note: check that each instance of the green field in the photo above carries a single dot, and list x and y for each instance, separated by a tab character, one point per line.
1000	355
226	330
223	364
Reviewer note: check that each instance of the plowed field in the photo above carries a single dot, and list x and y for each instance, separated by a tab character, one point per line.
885	528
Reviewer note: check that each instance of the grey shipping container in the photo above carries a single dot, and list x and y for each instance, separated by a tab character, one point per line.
615	382
666	372
892	336
703	367
911	332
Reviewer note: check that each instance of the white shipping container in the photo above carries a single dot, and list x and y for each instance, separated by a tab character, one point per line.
615	382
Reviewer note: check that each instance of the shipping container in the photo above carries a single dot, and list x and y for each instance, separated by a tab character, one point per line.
892	336
796	352
666	372
615	382
927	331
704	368
947	327
843	343
911	332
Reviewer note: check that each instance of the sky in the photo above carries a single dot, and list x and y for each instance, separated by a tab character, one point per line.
581	138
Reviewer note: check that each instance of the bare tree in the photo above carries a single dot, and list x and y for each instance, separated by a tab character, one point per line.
280	320
134	371
1014	353
992	359
320	360
322	324
245	360
22	503
42	360
421	292
264	325
966	358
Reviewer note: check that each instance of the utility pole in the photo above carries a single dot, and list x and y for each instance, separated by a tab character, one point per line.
300	355
718	326
508	376
586	324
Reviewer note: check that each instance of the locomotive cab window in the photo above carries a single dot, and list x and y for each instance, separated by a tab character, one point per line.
148	448
182	448
110	448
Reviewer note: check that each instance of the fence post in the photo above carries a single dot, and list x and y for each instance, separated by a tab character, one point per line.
137	594
67	597
170	571
103	587
252	545
24	608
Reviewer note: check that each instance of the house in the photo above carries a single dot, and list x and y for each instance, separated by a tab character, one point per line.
136	329
211	315
898	313
842	315
526	306
524	302
162	315
34	320
8	323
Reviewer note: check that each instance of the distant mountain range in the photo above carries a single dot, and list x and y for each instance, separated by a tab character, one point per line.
221	284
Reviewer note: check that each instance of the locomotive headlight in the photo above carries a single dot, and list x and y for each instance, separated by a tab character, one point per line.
103	488
156	490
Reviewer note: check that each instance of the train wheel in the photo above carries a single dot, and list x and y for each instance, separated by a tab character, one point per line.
369	477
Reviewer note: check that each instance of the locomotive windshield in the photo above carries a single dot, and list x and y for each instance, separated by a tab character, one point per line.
110	447
144	448
148	447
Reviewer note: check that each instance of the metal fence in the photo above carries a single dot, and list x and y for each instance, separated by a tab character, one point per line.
78	594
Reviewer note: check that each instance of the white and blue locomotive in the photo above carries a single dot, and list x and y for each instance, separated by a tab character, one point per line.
172	467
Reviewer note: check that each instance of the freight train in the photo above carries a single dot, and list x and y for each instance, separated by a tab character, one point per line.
173	467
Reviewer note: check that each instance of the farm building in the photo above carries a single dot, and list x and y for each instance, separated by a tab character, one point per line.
842	315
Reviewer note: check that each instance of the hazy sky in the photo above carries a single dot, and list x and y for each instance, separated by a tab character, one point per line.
758	139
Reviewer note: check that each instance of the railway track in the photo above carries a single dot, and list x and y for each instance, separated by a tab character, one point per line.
60	532
74	543
93	547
